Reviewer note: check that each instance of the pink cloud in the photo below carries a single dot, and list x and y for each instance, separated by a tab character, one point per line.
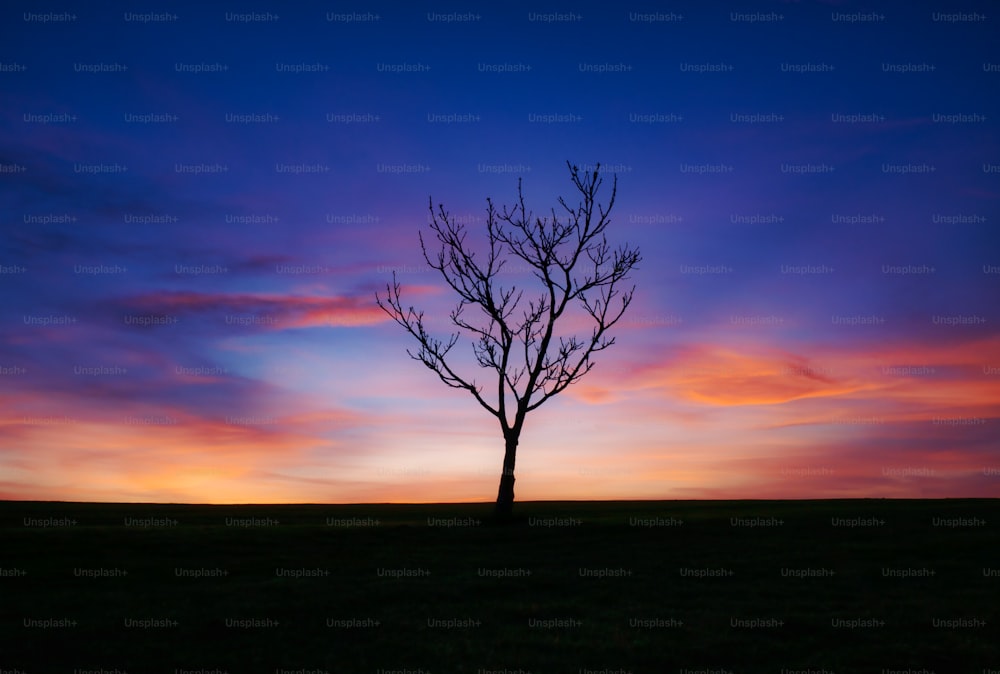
267	311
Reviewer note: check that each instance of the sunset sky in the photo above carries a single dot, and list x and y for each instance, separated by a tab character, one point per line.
198	206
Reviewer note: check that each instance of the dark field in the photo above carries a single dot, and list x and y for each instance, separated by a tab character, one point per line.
634	586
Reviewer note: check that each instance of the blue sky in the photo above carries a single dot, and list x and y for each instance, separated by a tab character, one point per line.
190	259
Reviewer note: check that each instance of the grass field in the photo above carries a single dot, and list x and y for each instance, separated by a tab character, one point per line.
634	586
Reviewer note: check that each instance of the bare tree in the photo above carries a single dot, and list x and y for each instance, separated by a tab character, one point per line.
520	350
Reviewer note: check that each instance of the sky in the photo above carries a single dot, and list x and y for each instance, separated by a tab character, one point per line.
199	204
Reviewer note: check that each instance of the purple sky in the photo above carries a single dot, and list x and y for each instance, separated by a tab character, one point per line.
199	205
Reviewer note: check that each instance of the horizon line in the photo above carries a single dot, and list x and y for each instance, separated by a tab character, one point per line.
492	502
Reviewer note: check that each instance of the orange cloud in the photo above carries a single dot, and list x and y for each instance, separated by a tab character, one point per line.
941	376
171	455
719	375
722	376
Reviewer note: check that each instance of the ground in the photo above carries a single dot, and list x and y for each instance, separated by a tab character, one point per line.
665	586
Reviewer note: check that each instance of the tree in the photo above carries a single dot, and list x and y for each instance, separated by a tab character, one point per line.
529	366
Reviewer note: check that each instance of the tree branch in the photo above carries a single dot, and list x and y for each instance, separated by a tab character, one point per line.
568	253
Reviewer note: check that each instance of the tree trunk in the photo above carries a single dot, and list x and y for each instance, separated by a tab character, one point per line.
505	497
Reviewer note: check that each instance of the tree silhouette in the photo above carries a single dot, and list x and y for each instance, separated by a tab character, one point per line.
529	366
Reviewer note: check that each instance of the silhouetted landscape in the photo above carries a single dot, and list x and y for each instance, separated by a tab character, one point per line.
865	585
285	287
